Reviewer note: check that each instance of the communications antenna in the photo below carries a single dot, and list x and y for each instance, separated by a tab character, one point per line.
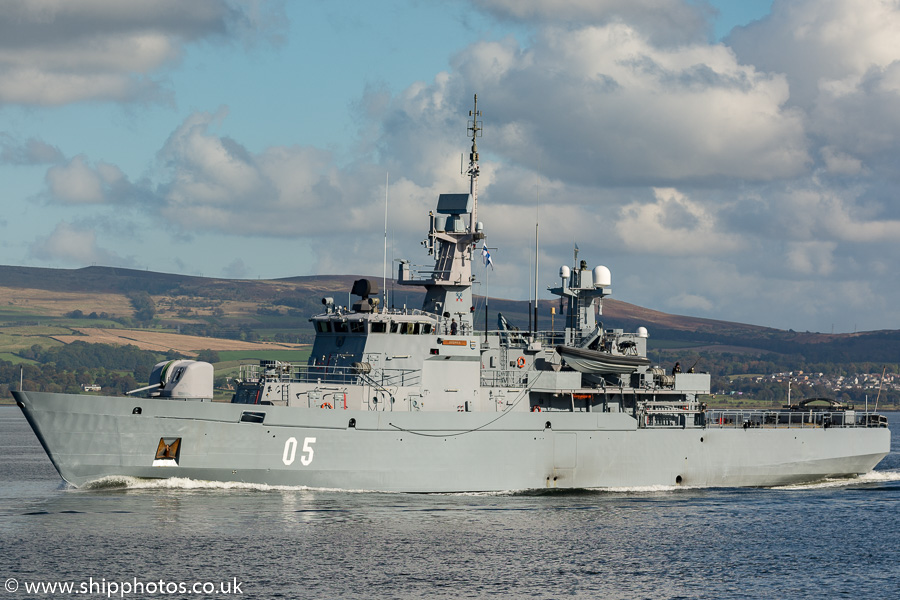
474	129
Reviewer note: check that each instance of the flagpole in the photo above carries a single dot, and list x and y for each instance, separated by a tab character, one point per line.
487	284
537	218
384	294
488	262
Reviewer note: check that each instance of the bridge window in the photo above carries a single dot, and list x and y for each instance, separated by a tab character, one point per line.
379	327
358	327
323	326
426	328
340	327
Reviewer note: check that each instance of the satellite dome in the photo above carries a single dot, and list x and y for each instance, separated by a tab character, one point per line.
642	332
602	277
564	272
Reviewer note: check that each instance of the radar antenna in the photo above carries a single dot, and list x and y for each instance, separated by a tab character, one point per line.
474	129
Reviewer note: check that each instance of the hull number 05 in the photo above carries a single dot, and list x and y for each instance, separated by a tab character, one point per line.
290	451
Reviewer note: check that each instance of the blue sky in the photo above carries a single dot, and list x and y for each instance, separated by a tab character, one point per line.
731	160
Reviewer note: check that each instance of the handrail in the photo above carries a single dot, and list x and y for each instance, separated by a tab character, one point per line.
777	419
302	373
678	415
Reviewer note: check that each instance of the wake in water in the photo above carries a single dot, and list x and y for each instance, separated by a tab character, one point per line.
182	483
637	490
119	482
126	483
872	477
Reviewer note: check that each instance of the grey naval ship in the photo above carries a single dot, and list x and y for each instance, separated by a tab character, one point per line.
419	400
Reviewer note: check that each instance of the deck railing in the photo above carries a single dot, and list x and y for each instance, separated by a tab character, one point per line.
735	418
666	415
301	373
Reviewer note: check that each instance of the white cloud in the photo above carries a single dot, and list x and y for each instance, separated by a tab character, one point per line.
814	213
840	163
821	43
55	52
811	257
666	21
75	245
30	152
602	105
842	58
206	183
691	302
672	225
236	269
212	183
862	121
76	182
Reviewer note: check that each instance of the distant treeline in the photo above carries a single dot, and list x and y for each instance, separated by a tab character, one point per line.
117	369
84	355
723	366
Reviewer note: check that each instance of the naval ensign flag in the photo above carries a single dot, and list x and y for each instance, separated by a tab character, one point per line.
486	256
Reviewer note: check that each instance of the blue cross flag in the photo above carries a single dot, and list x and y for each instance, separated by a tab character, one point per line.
486	256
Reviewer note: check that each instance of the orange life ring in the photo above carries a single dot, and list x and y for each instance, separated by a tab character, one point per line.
520	362
535	409
326	405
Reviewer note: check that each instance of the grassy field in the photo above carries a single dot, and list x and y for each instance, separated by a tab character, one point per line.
21	302
37	330
160	341
20	312
16	359
15	342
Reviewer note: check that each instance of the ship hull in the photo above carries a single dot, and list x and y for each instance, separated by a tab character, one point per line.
92	437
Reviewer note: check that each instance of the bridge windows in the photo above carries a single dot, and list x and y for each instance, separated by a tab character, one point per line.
362	327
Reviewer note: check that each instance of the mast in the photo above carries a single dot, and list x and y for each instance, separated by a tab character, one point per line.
451	242
384	264
580	288
475	127
537	209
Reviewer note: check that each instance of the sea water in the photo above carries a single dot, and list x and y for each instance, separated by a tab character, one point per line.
180	538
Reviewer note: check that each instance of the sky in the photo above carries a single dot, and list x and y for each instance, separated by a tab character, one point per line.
729	159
